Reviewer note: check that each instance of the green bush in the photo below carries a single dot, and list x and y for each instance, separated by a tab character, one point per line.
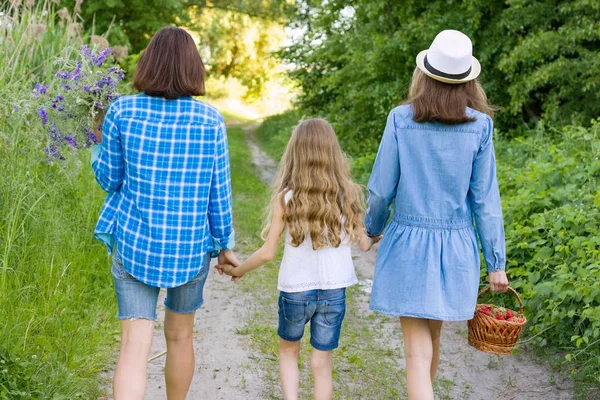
550	186
274	133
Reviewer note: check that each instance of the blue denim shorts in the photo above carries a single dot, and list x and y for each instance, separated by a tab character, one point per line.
325	309
136	300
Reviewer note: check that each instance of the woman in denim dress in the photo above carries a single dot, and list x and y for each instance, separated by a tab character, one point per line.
436	165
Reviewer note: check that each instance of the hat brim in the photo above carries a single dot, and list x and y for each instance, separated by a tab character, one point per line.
475	70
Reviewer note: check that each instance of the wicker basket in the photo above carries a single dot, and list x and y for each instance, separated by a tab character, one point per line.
491	335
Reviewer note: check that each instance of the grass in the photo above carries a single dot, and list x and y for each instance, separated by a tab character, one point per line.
56	298
275	132
56	288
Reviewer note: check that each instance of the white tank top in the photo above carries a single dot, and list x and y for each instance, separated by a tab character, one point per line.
303	268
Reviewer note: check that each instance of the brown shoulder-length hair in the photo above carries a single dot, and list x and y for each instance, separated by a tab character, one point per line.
435	101
170	66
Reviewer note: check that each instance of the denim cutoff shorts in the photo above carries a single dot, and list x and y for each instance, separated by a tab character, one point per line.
325	309
137	300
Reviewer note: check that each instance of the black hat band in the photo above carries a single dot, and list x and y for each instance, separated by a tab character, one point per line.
443	74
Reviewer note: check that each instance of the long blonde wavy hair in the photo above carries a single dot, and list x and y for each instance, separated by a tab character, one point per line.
325	203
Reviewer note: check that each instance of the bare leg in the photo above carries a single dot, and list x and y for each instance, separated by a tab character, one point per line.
288	368
180	364
418	351
129	382
435	327
322	367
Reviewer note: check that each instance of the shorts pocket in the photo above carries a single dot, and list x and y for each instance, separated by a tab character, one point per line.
294	311
335	311
118	270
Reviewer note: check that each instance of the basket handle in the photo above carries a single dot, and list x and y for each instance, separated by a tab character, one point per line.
513	291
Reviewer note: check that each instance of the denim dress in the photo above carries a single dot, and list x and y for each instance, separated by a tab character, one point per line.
441	180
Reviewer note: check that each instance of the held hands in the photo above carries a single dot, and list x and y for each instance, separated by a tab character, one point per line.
228	260
498	281
229	270
367	242
375	239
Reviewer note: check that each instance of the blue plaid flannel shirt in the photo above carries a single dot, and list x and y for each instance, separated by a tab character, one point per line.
165	166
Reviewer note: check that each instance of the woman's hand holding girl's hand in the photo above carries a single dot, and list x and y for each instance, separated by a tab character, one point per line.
367	242
227	269
498	281
376	239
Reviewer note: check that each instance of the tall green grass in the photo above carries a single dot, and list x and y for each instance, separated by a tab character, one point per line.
56	302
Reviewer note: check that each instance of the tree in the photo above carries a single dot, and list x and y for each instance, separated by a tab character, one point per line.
236	45
355	60
133	22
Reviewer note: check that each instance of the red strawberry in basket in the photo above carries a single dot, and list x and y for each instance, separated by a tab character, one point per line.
499	316
485	310
509	314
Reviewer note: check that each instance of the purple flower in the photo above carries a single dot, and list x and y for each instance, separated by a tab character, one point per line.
113	69
75	75
55	133
62	108
40	89
86	88
67	86
43	115
98	61
106	81
91	136
99	105
86	52
52	152
58	98
16	107
71	141
62	75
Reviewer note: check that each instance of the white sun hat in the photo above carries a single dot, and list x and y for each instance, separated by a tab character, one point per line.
450	58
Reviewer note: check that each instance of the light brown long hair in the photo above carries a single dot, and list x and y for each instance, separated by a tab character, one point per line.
435	101
325	203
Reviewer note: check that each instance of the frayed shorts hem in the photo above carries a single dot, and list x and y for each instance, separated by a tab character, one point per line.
289	338
324	348
136	317
312	343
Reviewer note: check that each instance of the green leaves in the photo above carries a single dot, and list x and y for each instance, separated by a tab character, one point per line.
553	235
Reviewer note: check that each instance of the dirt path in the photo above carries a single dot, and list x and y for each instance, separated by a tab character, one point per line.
223	361
471	374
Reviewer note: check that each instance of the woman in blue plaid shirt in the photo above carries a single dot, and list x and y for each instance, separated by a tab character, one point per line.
164	163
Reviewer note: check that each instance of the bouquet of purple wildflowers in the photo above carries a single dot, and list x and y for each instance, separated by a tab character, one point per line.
71	106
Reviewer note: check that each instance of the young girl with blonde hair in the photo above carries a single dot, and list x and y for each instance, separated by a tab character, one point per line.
319	205
436	164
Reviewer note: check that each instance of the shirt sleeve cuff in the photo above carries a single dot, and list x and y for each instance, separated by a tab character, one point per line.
496	267
227	244
95	153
